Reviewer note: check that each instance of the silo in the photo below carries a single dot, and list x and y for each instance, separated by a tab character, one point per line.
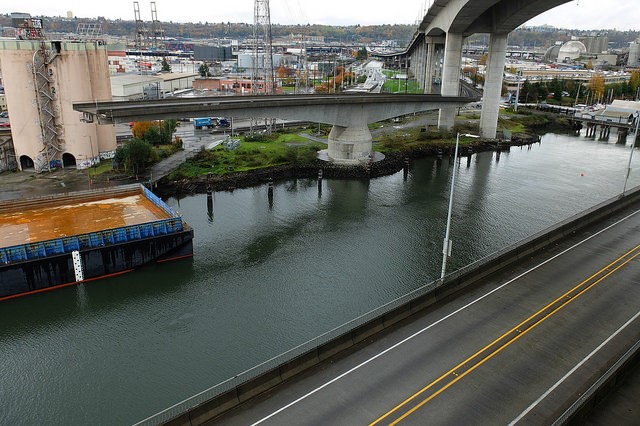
634	54
42	80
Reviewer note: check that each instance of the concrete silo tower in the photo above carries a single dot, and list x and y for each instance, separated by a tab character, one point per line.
42	79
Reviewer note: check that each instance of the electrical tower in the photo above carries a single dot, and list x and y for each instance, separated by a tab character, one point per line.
262	73
156	26
262	67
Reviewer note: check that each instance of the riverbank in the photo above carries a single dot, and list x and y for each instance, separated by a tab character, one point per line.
392	163
525	128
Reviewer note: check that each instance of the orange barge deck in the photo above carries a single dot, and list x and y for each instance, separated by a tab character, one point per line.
53	241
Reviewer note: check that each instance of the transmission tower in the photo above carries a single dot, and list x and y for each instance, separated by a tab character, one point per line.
262	73
156	26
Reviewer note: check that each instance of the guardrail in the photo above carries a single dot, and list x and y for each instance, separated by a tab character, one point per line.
247	384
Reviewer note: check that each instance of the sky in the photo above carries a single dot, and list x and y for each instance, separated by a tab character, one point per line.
577	14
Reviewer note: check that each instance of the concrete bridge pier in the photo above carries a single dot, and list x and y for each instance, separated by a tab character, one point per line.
622	135
493	85
417	63
451	78
350	145
429	65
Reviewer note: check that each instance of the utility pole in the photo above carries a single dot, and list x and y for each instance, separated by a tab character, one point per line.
446	247
636	117
515	106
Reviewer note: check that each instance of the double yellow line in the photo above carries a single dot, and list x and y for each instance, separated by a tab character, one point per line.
448	379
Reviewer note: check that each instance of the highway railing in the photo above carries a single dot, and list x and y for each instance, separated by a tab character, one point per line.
249	383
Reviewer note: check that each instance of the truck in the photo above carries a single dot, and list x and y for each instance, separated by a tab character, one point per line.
222	122
199	123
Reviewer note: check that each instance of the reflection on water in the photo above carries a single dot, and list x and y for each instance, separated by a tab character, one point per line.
272	269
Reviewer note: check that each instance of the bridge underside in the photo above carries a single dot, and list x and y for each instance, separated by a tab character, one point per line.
455	19
349	142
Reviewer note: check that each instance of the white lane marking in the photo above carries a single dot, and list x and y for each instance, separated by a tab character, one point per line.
573	370
417	333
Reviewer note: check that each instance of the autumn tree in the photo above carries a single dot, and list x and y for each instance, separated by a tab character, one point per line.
634	81
139	128
596	84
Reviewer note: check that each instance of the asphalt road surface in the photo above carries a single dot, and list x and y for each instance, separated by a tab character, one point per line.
518	349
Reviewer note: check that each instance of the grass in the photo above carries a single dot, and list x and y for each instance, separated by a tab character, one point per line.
274	150
401	86
100	168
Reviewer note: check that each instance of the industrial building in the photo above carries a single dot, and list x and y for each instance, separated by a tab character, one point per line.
42	79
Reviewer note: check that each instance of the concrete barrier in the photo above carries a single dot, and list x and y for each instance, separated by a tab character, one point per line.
462	279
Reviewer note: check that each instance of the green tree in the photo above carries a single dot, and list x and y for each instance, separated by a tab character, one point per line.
362	54
154	136
168	129
166	66
133	156
204	70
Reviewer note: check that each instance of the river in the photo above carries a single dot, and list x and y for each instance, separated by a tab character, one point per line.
267	276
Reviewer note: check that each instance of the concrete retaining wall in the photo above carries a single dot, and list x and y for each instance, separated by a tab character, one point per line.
457	281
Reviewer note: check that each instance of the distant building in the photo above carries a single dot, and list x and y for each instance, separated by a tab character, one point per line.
571	50
42	79
634	54
596	44
228	85
212	53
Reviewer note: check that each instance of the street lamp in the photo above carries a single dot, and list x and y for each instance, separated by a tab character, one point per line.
636	117
446	247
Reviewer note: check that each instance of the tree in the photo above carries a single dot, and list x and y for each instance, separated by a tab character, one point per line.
140	128
165	65
634	82
362	54
155	132
133	155
589	65
596	84
204	70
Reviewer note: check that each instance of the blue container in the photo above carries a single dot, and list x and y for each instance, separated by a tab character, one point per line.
70	244
35	250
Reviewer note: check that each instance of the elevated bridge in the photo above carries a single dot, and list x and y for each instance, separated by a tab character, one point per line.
350	140
435	52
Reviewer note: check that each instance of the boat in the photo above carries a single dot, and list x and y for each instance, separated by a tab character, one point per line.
61	240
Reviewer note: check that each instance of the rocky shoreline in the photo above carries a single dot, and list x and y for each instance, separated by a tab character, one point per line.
392	163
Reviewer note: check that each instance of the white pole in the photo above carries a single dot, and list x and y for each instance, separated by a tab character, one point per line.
633	145
446	248
515	107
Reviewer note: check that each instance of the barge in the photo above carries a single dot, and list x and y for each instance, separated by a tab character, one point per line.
56	241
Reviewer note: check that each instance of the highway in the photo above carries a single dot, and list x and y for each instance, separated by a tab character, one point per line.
301	107
518	349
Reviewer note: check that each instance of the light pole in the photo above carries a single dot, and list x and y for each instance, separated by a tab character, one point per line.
515	107
633	145
446	247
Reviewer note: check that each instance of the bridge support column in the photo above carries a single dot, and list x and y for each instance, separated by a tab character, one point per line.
429	62
493	85
419	64
450	78
350	145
